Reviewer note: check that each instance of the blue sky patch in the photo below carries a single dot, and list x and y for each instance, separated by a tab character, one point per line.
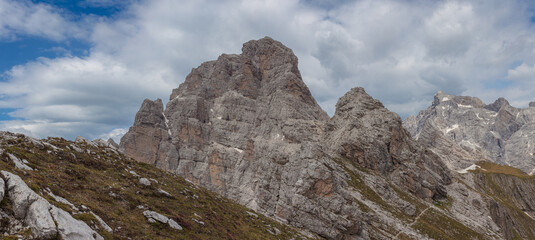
99	8
28	49
499	84
4	114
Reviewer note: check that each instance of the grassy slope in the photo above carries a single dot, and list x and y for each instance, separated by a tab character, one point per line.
433	223
100	180
492	173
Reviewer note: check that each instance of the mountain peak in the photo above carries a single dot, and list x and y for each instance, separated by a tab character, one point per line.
441	97
246	126
264	46
356	98
498	104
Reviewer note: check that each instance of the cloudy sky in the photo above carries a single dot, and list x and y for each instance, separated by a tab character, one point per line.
71	68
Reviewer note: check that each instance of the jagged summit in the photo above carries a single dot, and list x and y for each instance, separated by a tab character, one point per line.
265	69
356	98
498	104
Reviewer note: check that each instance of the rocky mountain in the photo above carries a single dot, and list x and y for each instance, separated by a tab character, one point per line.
464	130
58	189
247	127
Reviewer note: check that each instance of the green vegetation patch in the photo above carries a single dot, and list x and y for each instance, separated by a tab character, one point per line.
444	204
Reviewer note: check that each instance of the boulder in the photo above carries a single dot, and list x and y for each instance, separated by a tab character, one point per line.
144	182
153	216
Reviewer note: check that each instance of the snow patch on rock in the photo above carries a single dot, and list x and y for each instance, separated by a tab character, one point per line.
239	150
447	130
471	168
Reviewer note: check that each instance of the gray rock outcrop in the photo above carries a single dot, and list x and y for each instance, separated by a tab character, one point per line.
20	164
45	220
473	131
247	127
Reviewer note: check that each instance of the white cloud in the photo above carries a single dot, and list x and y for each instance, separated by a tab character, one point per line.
401	52
448	30
522	73
41	20
75	93
115	134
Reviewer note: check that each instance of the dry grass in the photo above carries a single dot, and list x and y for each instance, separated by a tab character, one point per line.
488	167
100	179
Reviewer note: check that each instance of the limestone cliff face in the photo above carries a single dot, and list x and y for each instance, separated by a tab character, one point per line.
247	127
496	132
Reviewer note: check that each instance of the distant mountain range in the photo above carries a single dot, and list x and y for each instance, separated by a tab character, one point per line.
494	132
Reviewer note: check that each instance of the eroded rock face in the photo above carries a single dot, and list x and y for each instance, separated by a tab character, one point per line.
247	127
466	127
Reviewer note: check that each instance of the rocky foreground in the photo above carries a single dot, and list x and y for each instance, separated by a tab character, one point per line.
58	189
247	127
